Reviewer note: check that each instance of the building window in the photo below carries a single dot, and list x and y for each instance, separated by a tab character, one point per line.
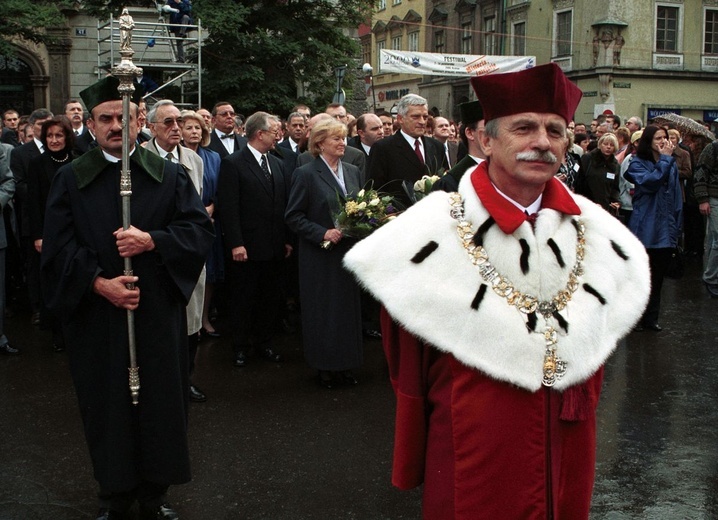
366	51
439	41
381	5
518	39
563	33
490	35
667	20
467	32
414	41
711	32
380	46
395	2
396	43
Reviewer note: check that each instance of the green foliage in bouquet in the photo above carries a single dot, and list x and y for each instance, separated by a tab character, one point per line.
364	213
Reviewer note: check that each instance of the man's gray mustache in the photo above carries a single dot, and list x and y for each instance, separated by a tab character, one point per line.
546	157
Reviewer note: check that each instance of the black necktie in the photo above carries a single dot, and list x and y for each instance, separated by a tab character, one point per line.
265	168
227	136
170	157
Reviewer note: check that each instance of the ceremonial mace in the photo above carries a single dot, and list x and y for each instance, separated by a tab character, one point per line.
126	72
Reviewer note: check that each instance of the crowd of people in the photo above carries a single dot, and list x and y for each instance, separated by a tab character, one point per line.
235	217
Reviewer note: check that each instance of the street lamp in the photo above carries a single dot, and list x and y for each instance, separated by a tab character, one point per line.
369	80
339	73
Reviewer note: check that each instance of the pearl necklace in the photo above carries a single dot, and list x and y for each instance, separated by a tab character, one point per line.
67	155
553	367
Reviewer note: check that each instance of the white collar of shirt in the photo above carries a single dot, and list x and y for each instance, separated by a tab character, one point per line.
227	143
411	140
39	145
78	131
164	153
478	160
339	175
534	207
258	155
112	158
366	148
293	145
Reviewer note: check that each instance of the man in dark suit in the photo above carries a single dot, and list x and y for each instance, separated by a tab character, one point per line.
75	114
407	155
442	132
296	131
10	122
369	130
252	199
472	121
19	164
7	188
223	139
351	155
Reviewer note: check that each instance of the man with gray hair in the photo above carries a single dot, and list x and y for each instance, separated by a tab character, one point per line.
252	198
634	124
404	157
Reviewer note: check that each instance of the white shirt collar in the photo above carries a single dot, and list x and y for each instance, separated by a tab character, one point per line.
163	153
411	140
534	207
112	158
39	145
366	148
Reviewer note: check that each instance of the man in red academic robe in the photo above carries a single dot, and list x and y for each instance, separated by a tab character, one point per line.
513	293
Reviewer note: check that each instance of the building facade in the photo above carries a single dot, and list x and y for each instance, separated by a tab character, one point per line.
633	57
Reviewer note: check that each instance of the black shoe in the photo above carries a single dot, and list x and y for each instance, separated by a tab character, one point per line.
348	378
240	360
652	326
204	332
9	350
106	514
271	355
196	395
164	512
325	379
372	334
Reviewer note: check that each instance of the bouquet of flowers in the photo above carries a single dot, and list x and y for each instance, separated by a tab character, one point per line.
364	213
421	188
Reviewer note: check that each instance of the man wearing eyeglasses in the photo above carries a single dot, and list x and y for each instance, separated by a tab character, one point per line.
224	140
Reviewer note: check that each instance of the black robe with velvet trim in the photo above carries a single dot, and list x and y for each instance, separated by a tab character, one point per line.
148	442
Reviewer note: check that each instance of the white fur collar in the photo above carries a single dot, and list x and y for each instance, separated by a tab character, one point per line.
432	299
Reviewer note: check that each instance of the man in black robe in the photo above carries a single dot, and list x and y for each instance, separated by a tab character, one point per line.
137	451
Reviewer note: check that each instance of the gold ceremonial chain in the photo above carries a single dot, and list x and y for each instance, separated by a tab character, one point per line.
553	367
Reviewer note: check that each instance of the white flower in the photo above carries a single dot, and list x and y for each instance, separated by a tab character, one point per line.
419	185
360	194
374	202
361	205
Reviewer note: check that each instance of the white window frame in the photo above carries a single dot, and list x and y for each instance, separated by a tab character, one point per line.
467	37
380	45
555	42
705	18
679	28
413	41
396	42
381	5
490	35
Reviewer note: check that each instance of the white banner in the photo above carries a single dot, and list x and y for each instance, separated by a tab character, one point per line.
434	64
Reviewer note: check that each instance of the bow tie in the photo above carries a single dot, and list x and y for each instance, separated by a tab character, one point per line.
227	136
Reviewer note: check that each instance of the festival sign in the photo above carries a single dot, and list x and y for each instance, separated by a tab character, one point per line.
435	64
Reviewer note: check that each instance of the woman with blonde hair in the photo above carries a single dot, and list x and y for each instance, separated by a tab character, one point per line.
597	179
330	301
196	136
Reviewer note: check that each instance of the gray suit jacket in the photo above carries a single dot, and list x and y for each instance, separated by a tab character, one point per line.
351	156
7	190
193	165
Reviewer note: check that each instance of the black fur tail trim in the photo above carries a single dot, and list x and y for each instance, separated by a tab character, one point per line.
425	252
556	252
593	292
561	321
618	250
483	228
531	323
479	296
525	252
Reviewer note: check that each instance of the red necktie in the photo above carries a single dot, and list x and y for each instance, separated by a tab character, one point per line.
417	150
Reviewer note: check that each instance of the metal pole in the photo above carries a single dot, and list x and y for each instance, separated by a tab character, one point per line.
126	72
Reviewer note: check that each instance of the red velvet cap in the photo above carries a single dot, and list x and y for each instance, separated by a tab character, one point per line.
542	89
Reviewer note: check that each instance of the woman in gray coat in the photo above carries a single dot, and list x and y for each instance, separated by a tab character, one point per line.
331	315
